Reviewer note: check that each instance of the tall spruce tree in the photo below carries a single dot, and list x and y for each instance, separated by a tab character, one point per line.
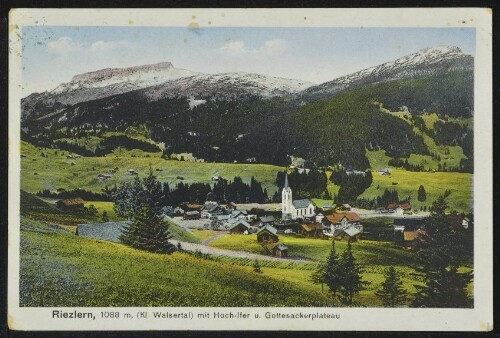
319	275
148	231
440	254
350	276
422	195
392	292
332	271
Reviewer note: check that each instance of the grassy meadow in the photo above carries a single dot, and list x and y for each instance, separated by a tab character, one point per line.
54	170
86	272
366	252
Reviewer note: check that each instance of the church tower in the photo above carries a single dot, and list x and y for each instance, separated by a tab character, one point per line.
286	200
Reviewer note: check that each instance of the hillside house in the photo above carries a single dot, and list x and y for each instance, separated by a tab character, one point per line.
266	220
344	207
391	207
240	227
107	231
190	207
350	234
191	215
343	220
319	218
311	229
267	234
280	250
211	209
231	206
404	209
240	214
410	237
71	204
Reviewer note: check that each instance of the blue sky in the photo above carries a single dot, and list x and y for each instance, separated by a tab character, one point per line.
52	55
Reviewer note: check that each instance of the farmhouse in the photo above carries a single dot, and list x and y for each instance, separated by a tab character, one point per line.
294	209
409	237
267	234
404	208
342	220
211	209
240	227
350	234
280	250
266	220
107	231
71	204
191	215
311	229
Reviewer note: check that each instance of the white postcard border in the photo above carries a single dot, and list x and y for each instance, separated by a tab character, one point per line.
480	318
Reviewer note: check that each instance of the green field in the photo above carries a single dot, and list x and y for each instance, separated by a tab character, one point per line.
55	170
202	235
435	184
60	269
366	252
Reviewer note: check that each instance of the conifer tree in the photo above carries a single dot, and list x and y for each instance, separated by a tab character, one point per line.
392	292
350	276
422	195
440	254
147	231
332	272
319	275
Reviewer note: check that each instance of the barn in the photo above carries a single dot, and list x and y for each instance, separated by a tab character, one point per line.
267	234
240	227
280	250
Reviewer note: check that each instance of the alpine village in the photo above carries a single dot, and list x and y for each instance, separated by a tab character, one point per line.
241	189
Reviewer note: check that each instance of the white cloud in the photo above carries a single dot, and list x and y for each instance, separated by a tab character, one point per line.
238	48
63	46
275	46
234	47
100	45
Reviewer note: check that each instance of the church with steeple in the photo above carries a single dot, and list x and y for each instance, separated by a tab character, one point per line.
291	209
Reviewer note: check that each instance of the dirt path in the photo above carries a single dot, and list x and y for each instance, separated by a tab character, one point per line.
237	254
213	238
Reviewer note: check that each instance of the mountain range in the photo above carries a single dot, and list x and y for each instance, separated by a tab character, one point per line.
233	116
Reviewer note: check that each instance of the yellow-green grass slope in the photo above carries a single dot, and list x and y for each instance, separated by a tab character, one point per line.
56	171
406	183
61	269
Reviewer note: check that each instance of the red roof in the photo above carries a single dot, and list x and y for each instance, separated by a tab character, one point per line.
405	206
337	217
392	206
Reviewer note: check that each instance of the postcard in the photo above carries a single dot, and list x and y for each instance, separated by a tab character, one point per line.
250	169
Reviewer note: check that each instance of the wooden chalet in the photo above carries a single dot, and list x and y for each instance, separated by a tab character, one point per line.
71	204
311	229
350	234
267	234
239	227
409	237
192	215
280	250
